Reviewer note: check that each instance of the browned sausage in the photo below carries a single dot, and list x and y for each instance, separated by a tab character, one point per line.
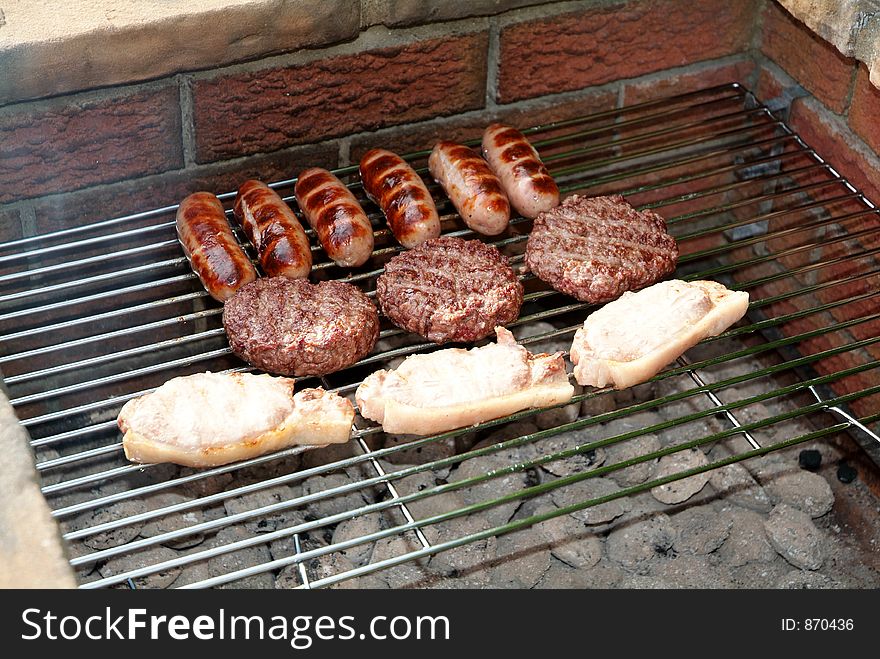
401	194
211	248
336	216
473	189
526	180
281	244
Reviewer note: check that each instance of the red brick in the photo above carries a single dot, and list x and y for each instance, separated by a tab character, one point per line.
869	329
420	137
858	382
270	109
868	406
864	111
815	63
847	284
856	309
71	143
84	206
832	140
646	90
598	45
770	85
10	225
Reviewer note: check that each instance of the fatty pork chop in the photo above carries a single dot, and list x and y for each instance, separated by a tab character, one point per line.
630	340
453	388
210	419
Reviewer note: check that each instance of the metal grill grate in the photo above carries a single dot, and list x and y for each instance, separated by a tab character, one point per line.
94	315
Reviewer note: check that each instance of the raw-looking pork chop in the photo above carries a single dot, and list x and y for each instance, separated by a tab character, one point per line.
453	388
629	340
210	419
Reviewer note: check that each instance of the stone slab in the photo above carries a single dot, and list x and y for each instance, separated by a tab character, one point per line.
49	47
31	551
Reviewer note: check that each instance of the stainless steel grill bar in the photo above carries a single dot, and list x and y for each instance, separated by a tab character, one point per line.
717	401
549	158
217	311
94	361
87	242
846	416
576	169
762	325
299	475
111	335
781	175
671	221
54	327
597	116
395	495
95	279
641	137
208	355
773	345
27	311
303	575
127	375
60	267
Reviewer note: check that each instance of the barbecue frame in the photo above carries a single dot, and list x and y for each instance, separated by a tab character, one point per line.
39	283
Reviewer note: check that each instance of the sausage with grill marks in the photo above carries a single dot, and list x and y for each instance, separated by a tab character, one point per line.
336	216
402	195
526	180
210	246
473	189
281	243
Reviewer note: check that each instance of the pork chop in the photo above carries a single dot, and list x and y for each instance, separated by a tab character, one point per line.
453	388
210	419
629	340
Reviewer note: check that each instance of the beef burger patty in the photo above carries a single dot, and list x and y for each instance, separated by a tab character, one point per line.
449	289
294	327
595	249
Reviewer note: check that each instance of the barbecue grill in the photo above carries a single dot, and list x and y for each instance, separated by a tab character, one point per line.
95	315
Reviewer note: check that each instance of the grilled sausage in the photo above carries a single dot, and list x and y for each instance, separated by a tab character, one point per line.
281	244
401	194
336	216
526	180
473	189
210	247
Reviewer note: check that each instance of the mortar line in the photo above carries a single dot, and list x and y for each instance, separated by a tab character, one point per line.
375	37
493	62
28	218
343	155
187	122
